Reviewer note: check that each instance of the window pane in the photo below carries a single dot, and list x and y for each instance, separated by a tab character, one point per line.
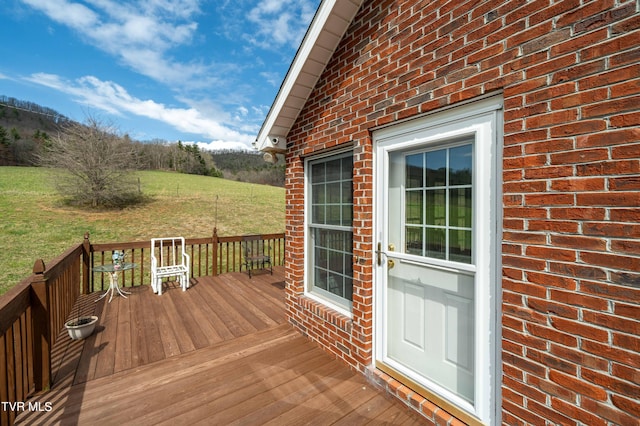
334	215
321	258
320	278
347	192
460	165
317	214
460	207
414	171
336	261
436	207
333	192
414	240
436	168
347	215
318	194
436	244
348	288
317	173
460	245
347	168
414	207
334	169
336	285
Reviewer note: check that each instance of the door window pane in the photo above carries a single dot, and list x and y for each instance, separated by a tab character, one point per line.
436	207
415	170
460	207
436	168
460	165
436	243
460	245
414	207
414	241
438	216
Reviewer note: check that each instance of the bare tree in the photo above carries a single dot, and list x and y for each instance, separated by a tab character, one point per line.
97	164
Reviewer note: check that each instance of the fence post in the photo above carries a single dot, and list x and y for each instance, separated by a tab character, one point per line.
40	311
86	263
214	251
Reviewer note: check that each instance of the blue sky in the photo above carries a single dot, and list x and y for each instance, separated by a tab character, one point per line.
190	70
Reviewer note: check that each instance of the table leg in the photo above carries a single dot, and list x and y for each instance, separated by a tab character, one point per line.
113	287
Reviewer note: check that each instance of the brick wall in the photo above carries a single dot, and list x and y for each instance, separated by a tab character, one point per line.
569	72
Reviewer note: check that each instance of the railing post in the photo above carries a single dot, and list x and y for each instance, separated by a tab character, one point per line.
40	310
214	251
86	263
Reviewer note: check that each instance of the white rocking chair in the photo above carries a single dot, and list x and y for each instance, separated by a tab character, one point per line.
169	258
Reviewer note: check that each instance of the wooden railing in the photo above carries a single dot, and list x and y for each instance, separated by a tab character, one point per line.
33	313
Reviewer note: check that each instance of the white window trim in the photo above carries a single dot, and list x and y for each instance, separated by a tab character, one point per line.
308	270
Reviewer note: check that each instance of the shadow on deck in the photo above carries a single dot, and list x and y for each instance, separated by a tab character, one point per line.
219	353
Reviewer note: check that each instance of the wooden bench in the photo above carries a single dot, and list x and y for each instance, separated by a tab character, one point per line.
169	259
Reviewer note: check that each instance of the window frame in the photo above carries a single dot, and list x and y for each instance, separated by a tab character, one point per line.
333	301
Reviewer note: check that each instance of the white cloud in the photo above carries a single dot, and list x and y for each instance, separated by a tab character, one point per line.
140	35
280	22
114	99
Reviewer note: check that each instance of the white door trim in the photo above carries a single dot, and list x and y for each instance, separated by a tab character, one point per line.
484	119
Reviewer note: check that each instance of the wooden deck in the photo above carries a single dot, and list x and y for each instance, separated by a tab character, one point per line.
219	353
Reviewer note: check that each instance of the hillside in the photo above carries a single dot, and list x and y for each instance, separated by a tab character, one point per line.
24	127
36	224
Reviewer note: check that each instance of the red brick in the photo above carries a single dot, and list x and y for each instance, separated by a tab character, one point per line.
611	107
565	339
576	412
577	299
625	120
580	386
578	213
580	156
609	382
612	414
611	199
611	322
631	406
578	328
607	78
607	351
549	199
553	389
578	184
551	280
578	128
578	270
551	253
579	357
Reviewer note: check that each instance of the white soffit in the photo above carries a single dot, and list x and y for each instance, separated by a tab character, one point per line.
329	24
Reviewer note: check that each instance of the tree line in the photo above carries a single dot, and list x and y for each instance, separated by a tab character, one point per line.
27	131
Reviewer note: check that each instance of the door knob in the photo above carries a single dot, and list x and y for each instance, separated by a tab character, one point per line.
391	263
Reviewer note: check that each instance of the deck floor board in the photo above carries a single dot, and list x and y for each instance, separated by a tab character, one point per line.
219	353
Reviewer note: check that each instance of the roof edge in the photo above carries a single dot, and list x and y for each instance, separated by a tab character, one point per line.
338	13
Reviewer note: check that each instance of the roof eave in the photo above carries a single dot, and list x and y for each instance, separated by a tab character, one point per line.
329	24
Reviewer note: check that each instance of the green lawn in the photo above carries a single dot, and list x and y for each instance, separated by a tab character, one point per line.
35	224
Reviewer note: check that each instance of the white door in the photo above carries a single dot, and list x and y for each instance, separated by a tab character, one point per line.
436	255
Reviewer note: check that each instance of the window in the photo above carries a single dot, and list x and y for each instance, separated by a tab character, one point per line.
330	232
438	203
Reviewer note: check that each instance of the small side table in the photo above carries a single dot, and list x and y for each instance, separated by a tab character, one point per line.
113	270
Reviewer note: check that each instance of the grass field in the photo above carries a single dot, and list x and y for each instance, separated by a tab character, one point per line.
34	224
